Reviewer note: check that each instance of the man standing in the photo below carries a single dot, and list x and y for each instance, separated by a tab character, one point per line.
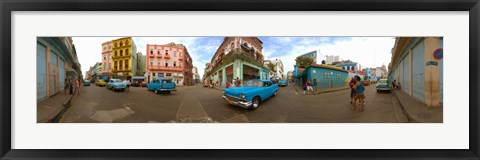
352	89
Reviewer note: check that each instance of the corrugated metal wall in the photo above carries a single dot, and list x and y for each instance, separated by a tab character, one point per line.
53	74
41	71
406	74
418	65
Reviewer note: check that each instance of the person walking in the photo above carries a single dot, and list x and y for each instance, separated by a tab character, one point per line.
65	86
77	86
359	92
309	87
352	89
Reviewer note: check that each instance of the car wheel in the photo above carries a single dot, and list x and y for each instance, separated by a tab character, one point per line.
156	91
378	90
256	102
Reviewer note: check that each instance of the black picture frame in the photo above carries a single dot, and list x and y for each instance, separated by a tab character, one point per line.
7	6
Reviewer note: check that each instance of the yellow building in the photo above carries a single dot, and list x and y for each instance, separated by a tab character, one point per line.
124	58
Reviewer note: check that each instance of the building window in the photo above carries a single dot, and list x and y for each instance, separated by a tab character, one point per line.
121	43
174	53
166	52
151	51
174	63
126	52
104	57
166	63
151	62
158	62
121	52
116	54
116	44
180	64
180	54
126	64
327	75
158	52
121	65
169	74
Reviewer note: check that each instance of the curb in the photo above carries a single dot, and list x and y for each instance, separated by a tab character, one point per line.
405	112
66	106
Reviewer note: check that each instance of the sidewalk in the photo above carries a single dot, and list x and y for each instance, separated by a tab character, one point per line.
49	108
416	111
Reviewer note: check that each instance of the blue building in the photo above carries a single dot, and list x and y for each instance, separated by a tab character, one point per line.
417	64
325	76
57	61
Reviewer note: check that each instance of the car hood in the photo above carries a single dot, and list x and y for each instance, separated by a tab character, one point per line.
243	90
118	83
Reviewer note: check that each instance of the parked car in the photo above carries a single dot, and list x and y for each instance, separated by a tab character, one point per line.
116	84
135	84
127	82
383	85
86	83
161	85
283	82
251	93
366	82
143	84
101	83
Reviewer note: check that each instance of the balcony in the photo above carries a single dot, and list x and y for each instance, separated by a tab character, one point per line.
159	56
180	58
151	55
165	68
167	56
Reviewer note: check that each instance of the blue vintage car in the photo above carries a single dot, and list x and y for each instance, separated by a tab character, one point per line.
251	93
161	85
283	83
116	84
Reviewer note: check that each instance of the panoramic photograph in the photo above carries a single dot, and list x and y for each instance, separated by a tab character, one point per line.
239	79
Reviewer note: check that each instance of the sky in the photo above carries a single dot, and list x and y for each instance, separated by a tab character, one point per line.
367	51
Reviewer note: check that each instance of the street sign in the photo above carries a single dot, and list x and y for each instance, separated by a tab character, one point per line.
438	54
433	63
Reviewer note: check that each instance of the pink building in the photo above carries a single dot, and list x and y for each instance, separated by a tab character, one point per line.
106	60
169	61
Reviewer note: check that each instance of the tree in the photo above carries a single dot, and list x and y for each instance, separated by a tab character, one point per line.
271	66
303	62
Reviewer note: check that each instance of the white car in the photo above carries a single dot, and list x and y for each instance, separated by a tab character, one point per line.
127	82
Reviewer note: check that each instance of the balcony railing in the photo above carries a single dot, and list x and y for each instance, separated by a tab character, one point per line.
159	56
169	68
151	55
167	56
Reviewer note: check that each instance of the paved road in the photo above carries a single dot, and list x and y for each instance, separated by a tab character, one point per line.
199	104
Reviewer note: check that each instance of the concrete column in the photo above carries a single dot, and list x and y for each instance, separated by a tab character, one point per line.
224	77
241	70
432	79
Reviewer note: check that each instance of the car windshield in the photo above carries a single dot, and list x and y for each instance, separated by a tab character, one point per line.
116	80
254	83
167	81
382	81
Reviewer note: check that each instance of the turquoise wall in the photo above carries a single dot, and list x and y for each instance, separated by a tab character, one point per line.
327	78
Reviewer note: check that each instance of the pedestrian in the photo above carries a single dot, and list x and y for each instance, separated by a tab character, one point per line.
233	83
394	84
315	84
70	85
77	86
359	92
309	87
226	84
399	86
352	89
65	86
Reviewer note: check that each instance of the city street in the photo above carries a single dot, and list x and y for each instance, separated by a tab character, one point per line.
200	104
